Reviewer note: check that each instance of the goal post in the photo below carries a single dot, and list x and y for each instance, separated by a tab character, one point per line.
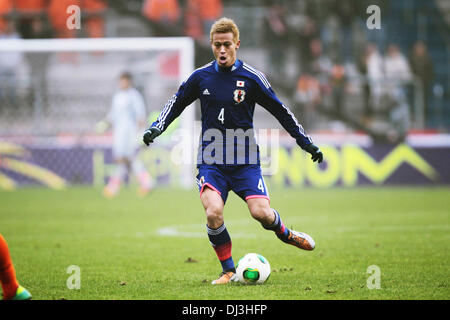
62	86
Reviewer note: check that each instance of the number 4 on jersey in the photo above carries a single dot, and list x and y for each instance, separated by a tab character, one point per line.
221	116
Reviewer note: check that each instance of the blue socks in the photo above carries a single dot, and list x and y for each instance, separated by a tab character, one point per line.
221	243
278	227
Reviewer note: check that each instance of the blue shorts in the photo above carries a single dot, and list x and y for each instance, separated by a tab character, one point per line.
245	180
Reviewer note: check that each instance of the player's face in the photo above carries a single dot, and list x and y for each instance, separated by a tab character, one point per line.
124	83
224	48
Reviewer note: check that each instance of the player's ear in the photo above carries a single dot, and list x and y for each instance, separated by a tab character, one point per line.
238	43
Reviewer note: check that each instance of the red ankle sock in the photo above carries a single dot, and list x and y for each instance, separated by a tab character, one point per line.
7	272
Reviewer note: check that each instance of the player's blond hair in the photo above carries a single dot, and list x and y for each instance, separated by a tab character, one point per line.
225	25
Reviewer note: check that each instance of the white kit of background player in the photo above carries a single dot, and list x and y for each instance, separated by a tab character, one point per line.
127	116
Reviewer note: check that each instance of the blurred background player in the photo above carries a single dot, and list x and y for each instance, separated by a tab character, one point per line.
10	286
127	116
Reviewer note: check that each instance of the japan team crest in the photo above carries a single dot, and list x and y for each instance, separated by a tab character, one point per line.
239	95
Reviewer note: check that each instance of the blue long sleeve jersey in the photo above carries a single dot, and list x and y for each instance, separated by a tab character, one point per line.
228	98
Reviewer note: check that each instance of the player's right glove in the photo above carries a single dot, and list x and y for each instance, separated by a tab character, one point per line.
317	155
150	134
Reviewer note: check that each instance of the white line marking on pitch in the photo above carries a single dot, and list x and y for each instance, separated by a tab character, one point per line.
174	231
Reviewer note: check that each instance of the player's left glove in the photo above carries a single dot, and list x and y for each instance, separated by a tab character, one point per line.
317	155
101	126
150	134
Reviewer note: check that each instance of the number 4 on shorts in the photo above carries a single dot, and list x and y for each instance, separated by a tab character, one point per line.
261	185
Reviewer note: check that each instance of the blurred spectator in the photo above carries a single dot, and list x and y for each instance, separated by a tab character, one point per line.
398	75
374	66
163	14
319	10
308	98
38	27
210	11
321	64
95	23
396	66
9	64
394	101
338	82
306	35
30	7
276	37
346	11
193	26
361	64
6	7
24	11
371	66
199	15
422	67
35	26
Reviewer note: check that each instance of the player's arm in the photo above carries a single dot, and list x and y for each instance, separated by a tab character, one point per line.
267	98
186	94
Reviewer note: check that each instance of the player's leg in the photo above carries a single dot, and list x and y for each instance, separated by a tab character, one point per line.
249	184
213	204
116	179
10	286
213	189
217	233
142	175
270	220
123	149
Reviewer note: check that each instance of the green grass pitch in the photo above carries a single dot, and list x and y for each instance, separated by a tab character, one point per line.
138	248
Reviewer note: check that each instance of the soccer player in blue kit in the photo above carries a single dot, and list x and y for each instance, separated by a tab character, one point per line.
228	89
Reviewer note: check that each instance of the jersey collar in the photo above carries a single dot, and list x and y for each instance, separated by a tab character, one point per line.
236	65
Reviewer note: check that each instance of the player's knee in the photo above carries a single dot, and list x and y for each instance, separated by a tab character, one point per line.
214	215
213	210
261	212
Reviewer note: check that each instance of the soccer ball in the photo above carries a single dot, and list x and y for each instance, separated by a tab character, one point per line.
252	268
